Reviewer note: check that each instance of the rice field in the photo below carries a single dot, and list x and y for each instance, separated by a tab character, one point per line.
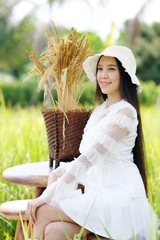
23	140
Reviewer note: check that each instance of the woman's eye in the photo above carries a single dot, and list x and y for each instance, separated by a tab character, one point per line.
99	68
111	69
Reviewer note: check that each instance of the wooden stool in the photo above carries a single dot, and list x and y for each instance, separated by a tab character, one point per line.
12	210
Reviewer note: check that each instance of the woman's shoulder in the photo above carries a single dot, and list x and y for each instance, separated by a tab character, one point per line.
96	113
124	103
100	108
125	107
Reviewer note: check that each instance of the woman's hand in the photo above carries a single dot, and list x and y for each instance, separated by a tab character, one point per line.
32	208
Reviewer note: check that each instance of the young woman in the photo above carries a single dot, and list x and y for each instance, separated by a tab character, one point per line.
111	165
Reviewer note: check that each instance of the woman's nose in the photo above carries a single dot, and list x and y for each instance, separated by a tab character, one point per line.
105	74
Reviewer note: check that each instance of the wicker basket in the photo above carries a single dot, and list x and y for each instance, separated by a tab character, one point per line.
64	133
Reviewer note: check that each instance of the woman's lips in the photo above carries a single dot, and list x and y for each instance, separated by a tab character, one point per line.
105	83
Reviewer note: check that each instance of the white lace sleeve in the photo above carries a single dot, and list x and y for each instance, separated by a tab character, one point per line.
58	172
120	126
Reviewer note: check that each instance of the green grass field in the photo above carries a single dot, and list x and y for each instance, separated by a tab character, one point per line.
23	140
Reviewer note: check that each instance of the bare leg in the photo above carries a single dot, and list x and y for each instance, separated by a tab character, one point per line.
45	215
56	231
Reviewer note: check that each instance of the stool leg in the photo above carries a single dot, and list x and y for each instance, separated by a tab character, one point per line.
29	228
19	232
26	224
50	162
39	191
57	163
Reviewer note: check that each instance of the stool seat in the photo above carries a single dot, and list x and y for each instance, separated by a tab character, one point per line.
13	209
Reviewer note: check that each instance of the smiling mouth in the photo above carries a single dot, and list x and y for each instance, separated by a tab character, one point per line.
105	83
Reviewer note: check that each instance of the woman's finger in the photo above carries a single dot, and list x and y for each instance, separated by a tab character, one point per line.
32	208
33	214
32	219
28	210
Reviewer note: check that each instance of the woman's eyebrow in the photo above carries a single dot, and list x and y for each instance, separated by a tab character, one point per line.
109	65
112	65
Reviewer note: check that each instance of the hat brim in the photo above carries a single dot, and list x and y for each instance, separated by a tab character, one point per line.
90	66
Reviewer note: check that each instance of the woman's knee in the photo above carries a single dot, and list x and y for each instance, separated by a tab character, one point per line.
54	231
42	218
40	212
44	212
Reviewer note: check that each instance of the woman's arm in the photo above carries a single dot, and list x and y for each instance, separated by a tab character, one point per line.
55	174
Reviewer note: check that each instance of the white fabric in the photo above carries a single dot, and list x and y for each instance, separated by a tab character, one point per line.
114	197
124	55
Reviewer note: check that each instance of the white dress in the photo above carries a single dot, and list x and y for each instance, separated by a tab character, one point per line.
114	203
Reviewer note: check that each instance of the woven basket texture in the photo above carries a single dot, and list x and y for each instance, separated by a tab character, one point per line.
64	134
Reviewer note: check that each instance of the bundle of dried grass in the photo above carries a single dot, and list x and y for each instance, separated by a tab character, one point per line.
62	63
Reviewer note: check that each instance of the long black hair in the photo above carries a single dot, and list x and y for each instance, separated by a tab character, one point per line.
128	91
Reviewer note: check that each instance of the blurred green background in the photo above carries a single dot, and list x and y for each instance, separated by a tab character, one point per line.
22	132
29	34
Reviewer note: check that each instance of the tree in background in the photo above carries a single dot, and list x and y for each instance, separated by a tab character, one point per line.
13	45
144	40
146	49
14	40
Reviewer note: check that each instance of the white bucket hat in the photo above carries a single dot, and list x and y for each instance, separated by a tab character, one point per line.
123	54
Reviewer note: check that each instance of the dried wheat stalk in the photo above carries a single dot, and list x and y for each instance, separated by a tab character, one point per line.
62	64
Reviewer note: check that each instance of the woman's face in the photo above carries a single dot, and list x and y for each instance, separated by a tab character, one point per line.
108	76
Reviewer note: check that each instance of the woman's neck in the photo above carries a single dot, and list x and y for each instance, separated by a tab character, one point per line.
112	100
